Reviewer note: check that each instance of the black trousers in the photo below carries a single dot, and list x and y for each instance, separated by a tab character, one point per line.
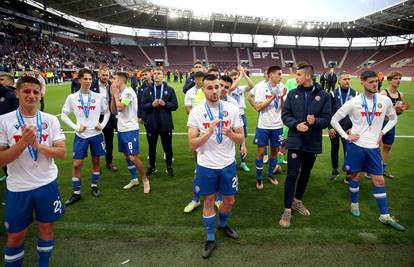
42	103
108	133
330	86
335	150
166	142
5	170
299	164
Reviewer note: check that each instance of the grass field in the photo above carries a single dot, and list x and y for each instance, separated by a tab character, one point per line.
153	230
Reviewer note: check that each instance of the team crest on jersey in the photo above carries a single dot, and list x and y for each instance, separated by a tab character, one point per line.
6	225
165	92
17	126
225	113
93	101
44	125
347	167
379	105
2	99
128	95
317	98
294	155
296	96
205	115
197	188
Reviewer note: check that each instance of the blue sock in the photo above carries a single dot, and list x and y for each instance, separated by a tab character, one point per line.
210	224
13	257
381	198
196	195
95	178
353	190
76	185
272	165
219	196
132	169
44	249
259	169
223	218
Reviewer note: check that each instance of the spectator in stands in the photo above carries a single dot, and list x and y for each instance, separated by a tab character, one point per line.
102	86
189	83
322	79
158	103
43	88
331	80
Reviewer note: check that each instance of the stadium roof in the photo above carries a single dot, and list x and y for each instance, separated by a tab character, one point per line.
394	20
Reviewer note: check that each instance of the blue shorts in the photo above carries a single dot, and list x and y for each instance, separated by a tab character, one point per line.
388	138
210	181
80	146
359	159
44	201
263	136
243	117
128	142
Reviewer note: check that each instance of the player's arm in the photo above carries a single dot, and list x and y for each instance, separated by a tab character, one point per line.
235	83
10	154
105	120
195	140
260	105
171	104
66	110
57	151
188	109
392	117
120	104
339	115
250	99
236	135
287	114
249	81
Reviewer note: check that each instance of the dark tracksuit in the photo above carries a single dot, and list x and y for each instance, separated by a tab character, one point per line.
108	131
8	103
140	94
189	83
159	121
303	147
345	123
331	80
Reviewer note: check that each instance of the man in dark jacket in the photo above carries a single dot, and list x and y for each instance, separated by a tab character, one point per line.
307	110
8	101
189	83
158	102
146	83
338	98
75	85
102	86
331	80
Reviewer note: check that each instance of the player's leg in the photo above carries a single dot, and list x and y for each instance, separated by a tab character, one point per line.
274	152
355	164
261	139
166	142
141	169
347	172
334	156
14	250
243	164
294	163
374	167
97	145
152	139
387	141
80	151
307	162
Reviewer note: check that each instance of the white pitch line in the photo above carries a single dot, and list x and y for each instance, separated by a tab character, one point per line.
250	134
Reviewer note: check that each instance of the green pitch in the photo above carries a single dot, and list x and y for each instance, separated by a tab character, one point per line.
153	230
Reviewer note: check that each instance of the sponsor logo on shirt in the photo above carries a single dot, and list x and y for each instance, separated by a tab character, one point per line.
226	123
86	107
18	137
377	114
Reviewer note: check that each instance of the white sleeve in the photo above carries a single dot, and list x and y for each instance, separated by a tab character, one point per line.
56	131
187	99
237	120
192	120
339	115
4	142
67	108
392	117
259	96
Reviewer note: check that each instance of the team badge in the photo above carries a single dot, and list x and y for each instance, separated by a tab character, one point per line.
16	126
379	105
197	188
6	225
225	113
44	125
347	167
317	98
294	155
205	115
296	96
93	101
165	92
2	99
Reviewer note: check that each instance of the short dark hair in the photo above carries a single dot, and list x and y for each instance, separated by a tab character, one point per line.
197	63
122	74
147	69
226	78
27	79
368	74
273	69
199	74
308	68
210	77
212	68
84	71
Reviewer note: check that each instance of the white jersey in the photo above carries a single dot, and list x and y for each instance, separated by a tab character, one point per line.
238	94
253	90
211	154
356	111
97	107
190	96
269	117
24	173
128	119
